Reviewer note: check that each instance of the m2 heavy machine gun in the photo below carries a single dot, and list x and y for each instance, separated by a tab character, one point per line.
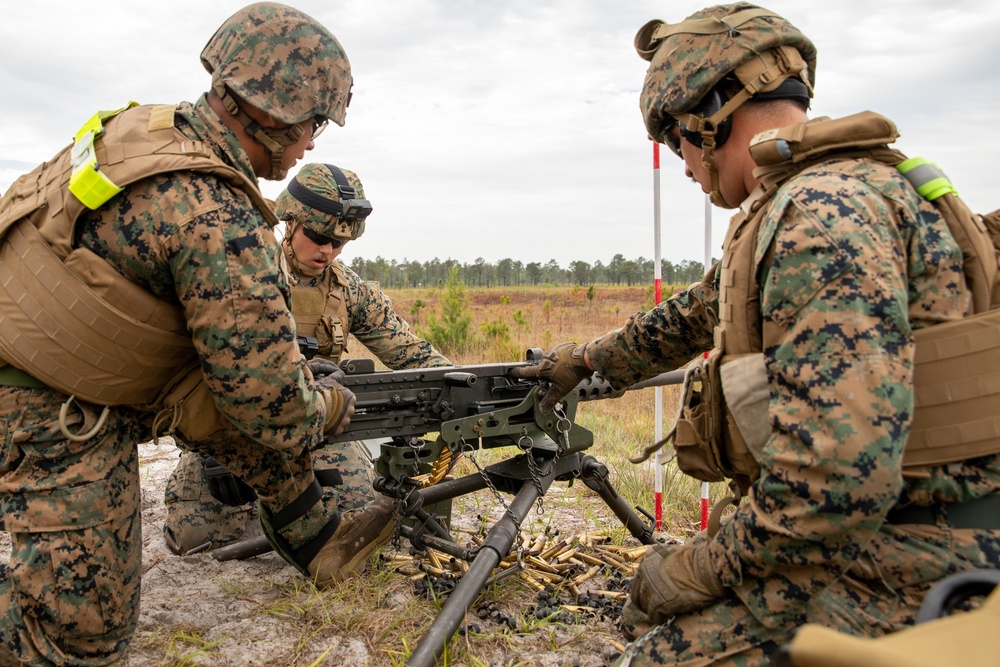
471	408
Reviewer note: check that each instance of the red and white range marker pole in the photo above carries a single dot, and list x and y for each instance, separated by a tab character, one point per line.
708	263
657	296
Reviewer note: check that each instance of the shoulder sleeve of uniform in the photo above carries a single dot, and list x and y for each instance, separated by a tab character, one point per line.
658	340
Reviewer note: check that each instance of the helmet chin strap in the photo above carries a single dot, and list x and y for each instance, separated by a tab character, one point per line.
708	161
274	140
297	266
706	127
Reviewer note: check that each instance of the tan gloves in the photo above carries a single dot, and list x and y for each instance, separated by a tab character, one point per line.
339	400
563	366
672	579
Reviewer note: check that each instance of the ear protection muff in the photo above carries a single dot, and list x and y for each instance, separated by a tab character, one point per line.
706	108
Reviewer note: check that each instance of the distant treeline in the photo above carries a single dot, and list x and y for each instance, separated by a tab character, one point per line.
510	272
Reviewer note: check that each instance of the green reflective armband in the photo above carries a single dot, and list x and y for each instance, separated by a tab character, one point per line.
86	182
928	178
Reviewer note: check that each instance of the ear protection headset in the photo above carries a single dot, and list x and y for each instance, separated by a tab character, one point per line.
706	108
791	88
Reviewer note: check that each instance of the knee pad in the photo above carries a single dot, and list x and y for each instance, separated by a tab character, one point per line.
195	517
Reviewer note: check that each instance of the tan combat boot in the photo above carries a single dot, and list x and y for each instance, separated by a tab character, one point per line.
360	532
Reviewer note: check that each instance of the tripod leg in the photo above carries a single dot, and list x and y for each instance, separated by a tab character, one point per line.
595	476
496	546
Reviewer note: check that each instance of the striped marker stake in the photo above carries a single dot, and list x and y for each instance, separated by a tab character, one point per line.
657	297
708	263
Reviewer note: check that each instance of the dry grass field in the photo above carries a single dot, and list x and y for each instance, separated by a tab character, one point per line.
197	611
537	316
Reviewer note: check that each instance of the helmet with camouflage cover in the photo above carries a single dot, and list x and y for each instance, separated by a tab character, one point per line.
326	200
703	68
284	63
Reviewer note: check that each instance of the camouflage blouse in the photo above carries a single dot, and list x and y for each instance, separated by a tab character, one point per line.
194	239
377	326
858	260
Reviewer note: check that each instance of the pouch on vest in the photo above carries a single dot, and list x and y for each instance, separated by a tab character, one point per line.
696	438
733	393
321	313
331	337
189	409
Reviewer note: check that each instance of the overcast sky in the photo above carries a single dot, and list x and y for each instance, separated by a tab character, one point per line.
511	128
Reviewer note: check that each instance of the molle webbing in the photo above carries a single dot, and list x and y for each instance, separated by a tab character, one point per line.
78	326
956	376
308	304
324	302
957	391
53	325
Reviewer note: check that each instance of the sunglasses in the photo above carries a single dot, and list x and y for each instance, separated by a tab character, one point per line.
318	125
321	240
672	139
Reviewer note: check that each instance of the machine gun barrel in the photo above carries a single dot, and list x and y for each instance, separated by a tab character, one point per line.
472	406
416	402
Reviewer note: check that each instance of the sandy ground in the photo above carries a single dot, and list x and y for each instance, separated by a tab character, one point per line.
198	611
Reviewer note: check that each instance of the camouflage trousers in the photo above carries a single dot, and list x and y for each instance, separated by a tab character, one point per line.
277	476
879	594
69	594
195	518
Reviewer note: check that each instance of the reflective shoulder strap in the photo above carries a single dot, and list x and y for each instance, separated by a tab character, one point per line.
87	182
927	178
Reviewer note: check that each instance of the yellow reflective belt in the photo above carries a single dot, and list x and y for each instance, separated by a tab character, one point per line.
86	182
928	178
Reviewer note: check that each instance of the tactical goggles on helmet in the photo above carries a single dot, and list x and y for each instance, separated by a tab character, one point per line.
349	211
673	141
704	110
321	240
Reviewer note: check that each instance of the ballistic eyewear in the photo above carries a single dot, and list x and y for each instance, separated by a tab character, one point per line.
321	240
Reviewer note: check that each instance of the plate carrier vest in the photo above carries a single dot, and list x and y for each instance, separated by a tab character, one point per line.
957	364
66	316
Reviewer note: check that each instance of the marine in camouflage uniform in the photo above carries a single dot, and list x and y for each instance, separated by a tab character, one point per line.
845	262
329	300
193	246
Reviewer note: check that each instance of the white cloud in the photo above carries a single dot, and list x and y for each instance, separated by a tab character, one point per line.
510	129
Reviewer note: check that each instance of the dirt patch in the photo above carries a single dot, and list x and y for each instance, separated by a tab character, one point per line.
260	611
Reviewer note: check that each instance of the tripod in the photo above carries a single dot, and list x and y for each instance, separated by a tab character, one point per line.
527	477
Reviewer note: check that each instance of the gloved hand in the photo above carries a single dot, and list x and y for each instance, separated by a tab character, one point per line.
324	367
674	579
563	366
339	399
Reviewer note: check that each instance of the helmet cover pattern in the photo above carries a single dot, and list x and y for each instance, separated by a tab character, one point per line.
281	61
688	59
317	179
